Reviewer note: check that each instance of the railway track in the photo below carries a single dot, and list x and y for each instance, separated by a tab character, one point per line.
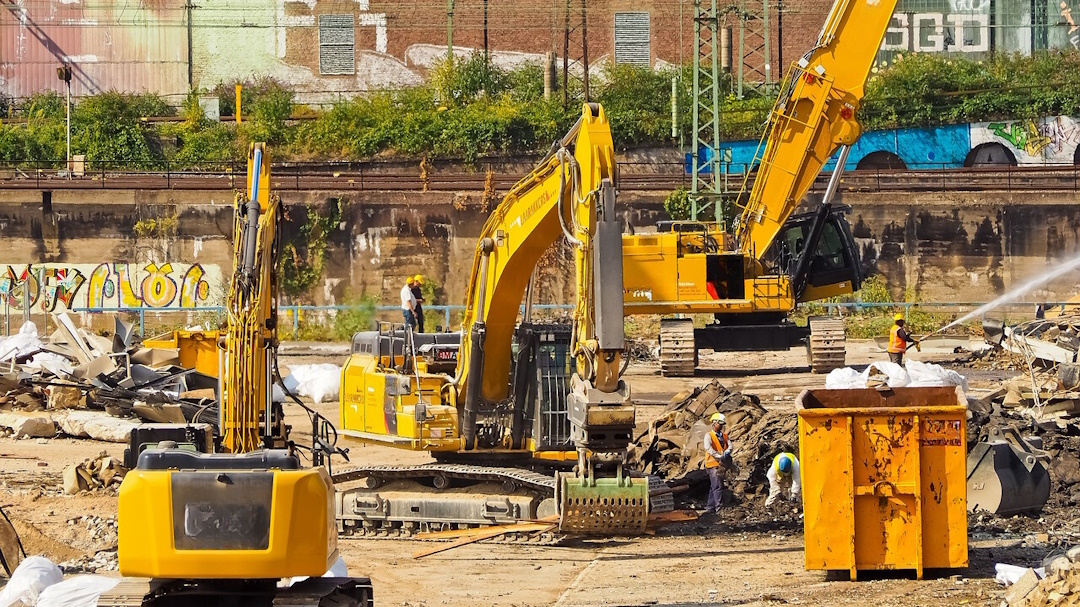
1039	178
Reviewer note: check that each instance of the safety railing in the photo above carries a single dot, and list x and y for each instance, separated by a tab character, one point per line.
633	176
294	314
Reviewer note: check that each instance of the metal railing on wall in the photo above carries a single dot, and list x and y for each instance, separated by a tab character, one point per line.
321	315
633	176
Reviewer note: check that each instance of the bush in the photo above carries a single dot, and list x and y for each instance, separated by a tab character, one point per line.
359	316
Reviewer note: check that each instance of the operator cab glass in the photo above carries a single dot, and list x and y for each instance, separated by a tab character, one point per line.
834	260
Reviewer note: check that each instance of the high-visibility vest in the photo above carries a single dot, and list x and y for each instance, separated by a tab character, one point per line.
719	444
897	345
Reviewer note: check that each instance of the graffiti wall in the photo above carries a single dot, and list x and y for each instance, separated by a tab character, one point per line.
58	287
1052	140
1045	141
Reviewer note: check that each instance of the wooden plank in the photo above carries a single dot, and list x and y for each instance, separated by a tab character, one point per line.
487	533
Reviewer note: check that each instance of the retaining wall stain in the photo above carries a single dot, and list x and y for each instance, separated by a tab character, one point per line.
938	247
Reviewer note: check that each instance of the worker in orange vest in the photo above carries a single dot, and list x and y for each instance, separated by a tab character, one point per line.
717	460
899	340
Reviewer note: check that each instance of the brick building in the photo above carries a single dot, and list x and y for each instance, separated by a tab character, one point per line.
328	48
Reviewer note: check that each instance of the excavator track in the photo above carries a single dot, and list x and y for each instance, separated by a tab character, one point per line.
826	348
678	353
402	501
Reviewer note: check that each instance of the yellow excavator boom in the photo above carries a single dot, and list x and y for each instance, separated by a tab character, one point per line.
815	114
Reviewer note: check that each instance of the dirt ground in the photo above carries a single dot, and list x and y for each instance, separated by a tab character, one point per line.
728	562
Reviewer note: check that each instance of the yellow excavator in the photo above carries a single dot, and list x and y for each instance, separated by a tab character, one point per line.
752	277
225	525
503	402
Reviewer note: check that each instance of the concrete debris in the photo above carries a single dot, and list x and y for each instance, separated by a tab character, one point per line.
671	448
99	473
89	386
1061	586
28	426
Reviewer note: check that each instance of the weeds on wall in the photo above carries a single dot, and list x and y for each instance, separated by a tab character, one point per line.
303	251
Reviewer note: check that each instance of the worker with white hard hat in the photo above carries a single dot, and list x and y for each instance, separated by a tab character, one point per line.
717	460
783	476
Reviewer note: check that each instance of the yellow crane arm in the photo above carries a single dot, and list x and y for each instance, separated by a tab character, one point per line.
814	115
567	194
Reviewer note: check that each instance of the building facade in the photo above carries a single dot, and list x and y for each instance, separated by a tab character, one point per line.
328	48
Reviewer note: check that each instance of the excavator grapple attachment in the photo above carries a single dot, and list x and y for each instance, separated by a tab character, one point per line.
1007	474
602	506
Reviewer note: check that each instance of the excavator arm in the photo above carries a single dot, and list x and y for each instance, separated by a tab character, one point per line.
571	195
815	114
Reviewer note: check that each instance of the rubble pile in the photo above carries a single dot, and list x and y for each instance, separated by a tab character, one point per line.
671	448
84	385
102	472
1059	584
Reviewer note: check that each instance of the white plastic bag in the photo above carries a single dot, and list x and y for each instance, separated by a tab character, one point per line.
839	379
1007	575
928	374
896	376
29	579
321	381
79	591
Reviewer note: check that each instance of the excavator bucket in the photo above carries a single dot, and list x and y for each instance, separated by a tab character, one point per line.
1007	474
602	506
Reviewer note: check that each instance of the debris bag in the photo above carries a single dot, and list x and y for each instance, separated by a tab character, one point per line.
321	382
923	375
79	591
1007	575
844	378
291	384
30	578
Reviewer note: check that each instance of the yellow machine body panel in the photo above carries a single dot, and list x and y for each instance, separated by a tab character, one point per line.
379	405
269	524
668	272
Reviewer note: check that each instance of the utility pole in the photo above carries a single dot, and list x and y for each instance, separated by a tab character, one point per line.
571	25
485	34
706	185
190	53
449	29
64	73
585	50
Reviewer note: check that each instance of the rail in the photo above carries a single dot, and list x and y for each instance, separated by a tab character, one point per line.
633	176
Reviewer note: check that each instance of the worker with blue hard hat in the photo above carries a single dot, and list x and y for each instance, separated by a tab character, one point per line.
783	477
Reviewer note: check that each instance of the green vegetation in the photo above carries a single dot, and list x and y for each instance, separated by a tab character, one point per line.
470	108
303	251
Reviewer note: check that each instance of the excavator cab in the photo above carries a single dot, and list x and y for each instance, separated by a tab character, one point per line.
832	267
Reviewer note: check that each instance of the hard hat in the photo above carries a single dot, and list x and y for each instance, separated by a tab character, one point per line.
898	316
409	280
784	464
718	417
418	279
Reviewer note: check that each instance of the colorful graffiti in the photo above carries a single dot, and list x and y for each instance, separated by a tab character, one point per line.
108	285
1021	135
1046	141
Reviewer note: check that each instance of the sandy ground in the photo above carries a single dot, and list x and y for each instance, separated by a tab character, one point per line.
682	564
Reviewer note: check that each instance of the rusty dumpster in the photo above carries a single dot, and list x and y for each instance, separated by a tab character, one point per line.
884	478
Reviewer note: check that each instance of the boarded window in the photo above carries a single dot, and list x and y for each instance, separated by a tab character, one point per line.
632	38
337	45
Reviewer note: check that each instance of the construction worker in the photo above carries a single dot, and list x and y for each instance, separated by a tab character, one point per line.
418	281
899	340
783	475
408	303
717	460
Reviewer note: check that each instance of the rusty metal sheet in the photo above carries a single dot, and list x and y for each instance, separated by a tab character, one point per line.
129	48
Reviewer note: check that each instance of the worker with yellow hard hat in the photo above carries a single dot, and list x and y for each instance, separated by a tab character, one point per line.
717	460
899	339
417	282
